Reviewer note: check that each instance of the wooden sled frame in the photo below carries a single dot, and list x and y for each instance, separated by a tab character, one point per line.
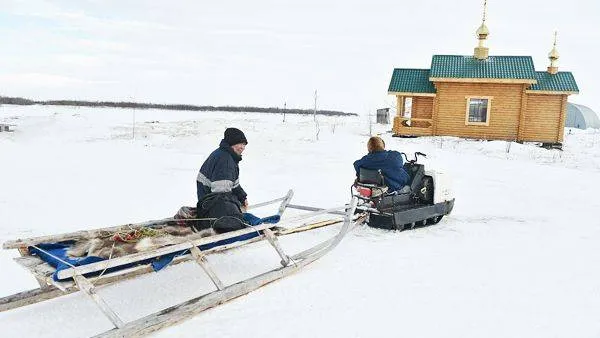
51	289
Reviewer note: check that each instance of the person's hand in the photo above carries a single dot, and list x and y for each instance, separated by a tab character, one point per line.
245	205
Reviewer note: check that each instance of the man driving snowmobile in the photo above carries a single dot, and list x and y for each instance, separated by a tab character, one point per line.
388	161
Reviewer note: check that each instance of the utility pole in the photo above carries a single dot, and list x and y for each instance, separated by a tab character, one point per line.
133	124
317	129
315	110
284	107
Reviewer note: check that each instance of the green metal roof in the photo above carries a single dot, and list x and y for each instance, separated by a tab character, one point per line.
410	80
559	82
494	67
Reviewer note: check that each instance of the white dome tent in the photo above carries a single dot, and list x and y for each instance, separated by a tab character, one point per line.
580	116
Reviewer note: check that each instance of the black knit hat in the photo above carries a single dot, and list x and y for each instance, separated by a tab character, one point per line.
234	136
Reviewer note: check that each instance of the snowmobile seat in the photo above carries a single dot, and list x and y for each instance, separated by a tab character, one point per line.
371	177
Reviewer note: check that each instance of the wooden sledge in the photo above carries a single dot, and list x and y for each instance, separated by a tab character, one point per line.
49	288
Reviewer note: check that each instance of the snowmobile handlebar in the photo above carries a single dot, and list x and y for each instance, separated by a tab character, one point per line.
417	154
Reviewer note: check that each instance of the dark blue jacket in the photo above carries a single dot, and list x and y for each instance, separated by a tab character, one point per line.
220	173
390	162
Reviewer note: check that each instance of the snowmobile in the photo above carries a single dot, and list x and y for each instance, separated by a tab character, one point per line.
423	201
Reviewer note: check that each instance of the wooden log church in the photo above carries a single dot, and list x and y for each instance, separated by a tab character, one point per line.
482	96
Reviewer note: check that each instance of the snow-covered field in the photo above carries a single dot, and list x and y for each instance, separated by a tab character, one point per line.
518	257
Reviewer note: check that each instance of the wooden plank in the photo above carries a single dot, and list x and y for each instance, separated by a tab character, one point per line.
414	131
44	269
84	285
185	310
415	119
434	115
307	227
62	286
40	269
285	260
28	261
550	92
401	105
201	260
285	202
307	208
258	205
24	252
26	242
31	297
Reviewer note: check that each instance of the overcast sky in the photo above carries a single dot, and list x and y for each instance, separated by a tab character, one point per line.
267	52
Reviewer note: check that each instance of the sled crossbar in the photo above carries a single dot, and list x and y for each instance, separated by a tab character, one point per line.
303	207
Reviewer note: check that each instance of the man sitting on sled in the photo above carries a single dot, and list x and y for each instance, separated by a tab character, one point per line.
221	199
388	161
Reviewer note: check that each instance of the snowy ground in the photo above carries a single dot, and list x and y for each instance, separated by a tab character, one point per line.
518	257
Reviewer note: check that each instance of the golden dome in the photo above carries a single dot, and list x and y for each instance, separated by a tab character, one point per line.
482	31
553	55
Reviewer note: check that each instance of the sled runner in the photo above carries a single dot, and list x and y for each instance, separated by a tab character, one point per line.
423	201
55	282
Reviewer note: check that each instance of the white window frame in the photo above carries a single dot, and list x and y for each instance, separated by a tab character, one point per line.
489	110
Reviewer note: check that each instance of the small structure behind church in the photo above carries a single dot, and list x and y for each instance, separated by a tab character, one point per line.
483	97
582	117
383	116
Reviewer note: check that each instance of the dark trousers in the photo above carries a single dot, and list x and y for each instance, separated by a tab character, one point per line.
223	213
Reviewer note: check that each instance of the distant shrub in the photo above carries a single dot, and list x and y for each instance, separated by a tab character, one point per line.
188	107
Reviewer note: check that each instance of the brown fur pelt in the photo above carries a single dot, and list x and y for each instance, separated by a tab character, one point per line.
108	247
